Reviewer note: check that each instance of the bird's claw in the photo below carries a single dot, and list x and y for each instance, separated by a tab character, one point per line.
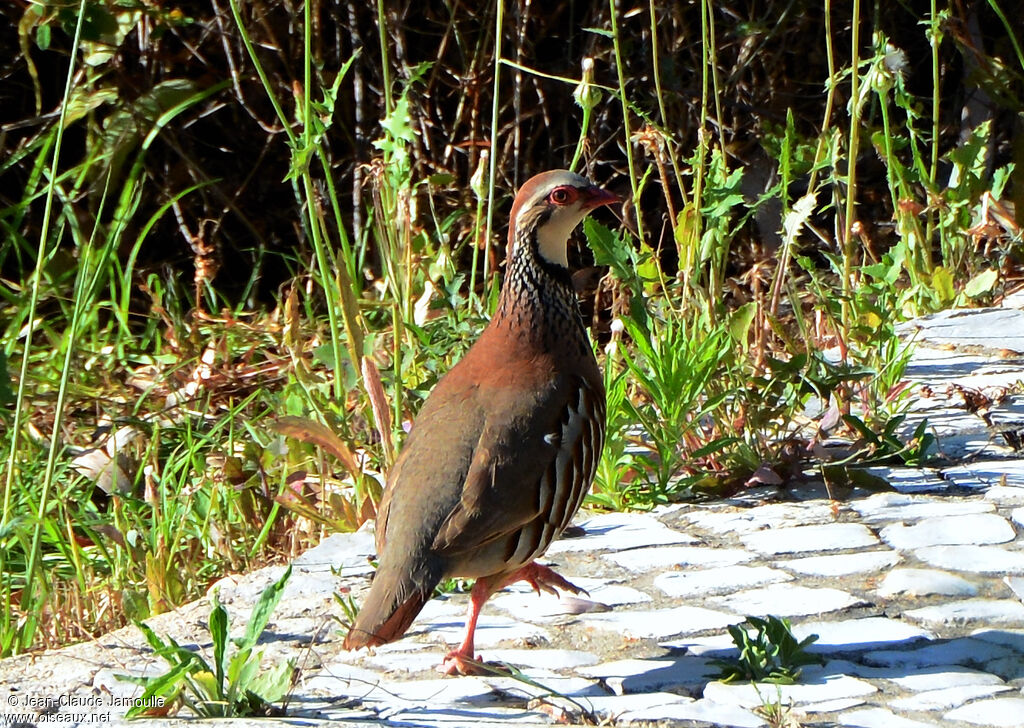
544	578
457	663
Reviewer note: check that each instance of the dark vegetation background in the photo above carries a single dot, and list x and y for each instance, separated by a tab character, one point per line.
770	59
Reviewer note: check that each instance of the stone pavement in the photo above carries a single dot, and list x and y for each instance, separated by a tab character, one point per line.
915	589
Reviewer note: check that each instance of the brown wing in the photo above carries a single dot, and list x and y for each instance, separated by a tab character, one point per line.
426	481
529	473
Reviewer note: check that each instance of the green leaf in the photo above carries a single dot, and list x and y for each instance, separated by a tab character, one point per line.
242	671
219	632
264	608
6	392
609	249
397	123
171	651
43	37
942	284
999	179
982	283
325	355
273	684
740	321
166	686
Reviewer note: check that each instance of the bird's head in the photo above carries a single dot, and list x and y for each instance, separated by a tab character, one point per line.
547	209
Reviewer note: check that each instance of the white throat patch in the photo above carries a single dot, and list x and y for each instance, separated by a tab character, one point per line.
553	236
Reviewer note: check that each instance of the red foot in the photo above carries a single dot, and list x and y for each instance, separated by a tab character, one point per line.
463	660
457	663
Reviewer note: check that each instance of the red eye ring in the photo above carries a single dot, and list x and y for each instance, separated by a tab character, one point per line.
562	195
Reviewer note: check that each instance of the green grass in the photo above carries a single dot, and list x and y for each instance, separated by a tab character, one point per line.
208	369
234	685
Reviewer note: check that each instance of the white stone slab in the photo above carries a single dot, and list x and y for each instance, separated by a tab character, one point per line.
449	716
787	600
977	559
543	658
436	692
909	480
797	539
403	694
720	520
641	560
490	630
858	634
940	678
686	674
888	507
814	687
979	528
1005	495
400	647
1009	666
626	708
409	662
349	552
430	659
600	590
970	611
519	600
831	706
547	683
966	650
987	474
451	607
714	645
997	329
661	623
702	711
879	718
841	564
922	582
716	581
858	669
1004	637
926	360
946	698
1016	584
426	716
620	531
999	712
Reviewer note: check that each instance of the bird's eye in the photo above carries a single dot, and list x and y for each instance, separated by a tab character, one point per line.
562	195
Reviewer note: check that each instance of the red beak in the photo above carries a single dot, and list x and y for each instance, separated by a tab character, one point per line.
594	197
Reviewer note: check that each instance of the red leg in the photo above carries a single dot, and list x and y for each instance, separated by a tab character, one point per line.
455	661
541	578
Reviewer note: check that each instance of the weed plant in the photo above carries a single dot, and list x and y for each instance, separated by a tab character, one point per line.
235	258
768	652
235	685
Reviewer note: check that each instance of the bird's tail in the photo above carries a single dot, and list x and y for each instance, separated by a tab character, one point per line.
395	598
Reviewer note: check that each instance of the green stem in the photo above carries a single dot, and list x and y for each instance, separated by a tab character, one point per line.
499	20
12	460
620	71
933	168
385	69
851	185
